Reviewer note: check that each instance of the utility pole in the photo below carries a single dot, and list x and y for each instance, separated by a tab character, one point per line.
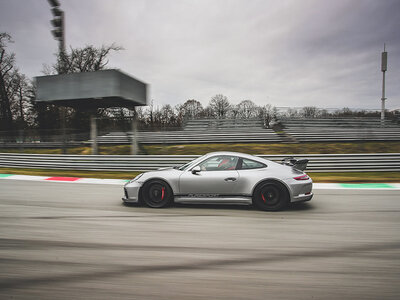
383	69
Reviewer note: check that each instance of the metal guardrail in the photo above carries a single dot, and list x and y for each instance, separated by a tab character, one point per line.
42	145
234	135
318	162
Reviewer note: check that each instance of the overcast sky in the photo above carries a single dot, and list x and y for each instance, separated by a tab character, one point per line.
286	53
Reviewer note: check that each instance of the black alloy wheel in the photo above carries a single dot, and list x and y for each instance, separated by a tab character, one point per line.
157	194
270	196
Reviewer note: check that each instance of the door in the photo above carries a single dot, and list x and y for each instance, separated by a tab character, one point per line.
217	177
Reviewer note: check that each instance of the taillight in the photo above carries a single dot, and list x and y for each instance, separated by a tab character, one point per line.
302	177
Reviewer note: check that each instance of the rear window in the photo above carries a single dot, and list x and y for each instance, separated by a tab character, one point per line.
247	164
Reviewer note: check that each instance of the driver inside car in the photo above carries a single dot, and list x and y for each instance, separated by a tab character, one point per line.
227	164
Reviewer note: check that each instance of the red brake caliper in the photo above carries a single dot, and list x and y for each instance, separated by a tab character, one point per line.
162	193
262	196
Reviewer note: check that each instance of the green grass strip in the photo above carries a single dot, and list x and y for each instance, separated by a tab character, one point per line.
6	175
367	185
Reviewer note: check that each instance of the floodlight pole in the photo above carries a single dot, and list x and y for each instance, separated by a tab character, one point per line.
59	34
61	46
384	69
62	38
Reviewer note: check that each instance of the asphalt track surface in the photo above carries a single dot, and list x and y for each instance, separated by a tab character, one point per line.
75	241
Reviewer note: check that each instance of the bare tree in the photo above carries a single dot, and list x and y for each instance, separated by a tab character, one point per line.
140	115
292	112
219	105
208	113
191	109
309	111
267	113
151	112
87	59
346	111
16	91
22	107
168	117
323	113
247	109
233	112
7	68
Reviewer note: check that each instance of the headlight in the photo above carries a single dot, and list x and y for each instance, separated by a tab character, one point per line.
136	178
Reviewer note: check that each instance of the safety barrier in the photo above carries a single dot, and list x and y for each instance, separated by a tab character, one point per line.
318	162
340	129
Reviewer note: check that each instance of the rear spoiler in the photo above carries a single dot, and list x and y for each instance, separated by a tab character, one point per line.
300	164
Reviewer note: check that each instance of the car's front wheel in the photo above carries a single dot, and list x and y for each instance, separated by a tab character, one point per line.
270	196
157	194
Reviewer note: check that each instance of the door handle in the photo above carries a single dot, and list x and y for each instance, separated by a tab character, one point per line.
230	179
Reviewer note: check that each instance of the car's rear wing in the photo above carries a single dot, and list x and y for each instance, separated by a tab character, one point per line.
300	164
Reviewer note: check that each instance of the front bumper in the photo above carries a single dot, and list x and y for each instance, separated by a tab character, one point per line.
131	192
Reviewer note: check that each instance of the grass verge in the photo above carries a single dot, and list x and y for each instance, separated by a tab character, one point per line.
356	177
349	177
304	148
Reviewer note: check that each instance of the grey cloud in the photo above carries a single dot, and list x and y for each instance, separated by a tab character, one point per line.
287	53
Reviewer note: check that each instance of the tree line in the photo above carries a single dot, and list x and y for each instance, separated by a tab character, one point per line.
20	111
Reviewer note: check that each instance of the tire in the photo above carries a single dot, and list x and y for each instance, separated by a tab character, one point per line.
157	194
271	196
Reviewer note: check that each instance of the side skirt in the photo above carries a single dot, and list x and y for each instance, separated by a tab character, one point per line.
223	199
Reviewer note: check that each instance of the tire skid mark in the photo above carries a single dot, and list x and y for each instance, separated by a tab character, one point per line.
195	265
23	244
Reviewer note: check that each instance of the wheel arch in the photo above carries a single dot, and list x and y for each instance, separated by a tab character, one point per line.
156	178
272	179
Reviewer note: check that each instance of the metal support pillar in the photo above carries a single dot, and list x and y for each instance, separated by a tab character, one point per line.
21	140
134	143
93	133
383	101
63	130
383	69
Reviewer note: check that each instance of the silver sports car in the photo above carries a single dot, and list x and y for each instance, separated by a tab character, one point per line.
224	177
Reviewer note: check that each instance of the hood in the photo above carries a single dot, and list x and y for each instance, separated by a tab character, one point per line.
164	169
161	173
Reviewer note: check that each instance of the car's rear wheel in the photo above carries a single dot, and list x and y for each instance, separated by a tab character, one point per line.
157	194
270	196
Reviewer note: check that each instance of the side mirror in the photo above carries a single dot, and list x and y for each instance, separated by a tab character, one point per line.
196	170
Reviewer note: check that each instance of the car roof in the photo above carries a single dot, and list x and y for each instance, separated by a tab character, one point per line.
244	155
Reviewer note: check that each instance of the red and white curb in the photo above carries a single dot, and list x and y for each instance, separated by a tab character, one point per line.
316	186
64	179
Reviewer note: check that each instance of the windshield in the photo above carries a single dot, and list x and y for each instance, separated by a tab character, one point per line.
187	165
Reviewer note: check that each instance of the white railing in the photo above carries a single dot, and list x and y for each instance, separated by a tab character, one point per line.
317	162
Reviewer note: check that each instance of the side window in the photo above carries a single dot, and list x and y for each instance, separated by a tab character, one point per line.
219	163
251	164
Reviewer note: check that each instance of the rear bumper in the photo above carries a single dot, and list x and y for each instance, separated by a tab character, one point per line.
301	190
303	197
